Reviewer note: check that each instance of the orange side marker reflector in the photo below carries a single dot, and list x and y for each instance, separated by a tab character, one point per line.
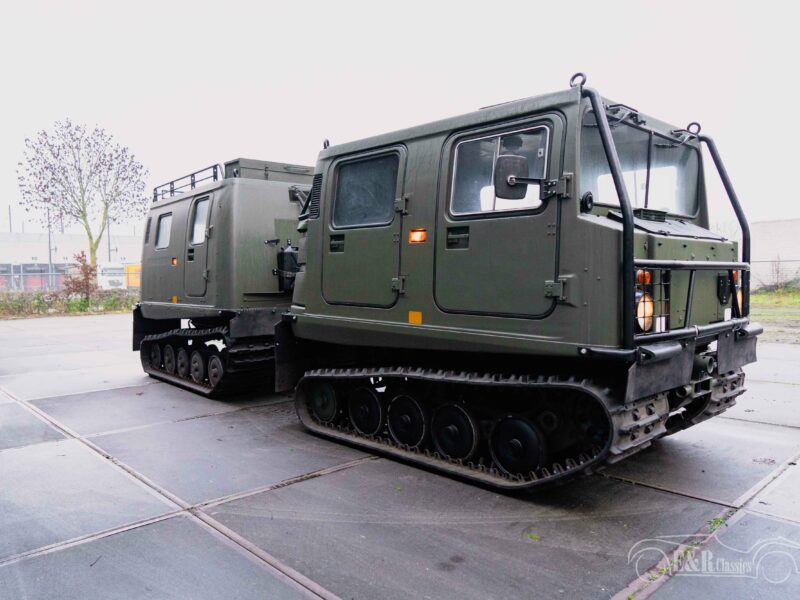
417	236
174	299
643	277
174	261
415	317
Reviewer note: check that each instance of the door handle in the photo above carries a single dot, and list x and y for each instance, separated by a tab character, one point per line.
337	243
457	237
190	255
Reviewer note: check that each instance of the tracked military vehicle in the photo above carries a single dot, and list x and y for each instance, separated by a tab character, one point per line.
513	296
215	246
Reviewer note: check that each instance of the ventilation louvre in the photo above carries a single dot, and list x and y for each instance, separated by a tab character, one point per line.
316	192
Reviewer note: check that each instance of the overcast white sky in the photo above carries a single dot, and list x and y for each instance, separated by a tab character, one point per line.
187	84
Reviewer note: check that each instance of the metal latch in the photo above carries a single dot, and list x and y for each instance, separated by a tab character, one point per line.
562	188
399	284
401	204
205	274
556	289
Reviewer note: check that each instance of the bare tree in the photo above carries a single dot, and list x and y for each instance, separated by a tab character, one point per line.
82	177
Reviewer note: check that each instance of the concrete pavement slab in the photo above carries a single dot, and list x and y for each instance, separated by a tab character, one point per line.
764	402
781	498
720	460
386	530
63	361
62	490
18	427
135	406
30	386
776	363
172	559
216	456
754	557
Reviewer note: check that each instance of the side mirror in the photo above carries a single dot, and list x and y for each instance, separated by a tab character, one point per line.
511	177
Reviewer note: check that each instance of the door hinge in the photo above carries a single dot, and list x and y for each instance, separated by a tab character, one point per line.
399	284
401	204
561	188
205	274
556	289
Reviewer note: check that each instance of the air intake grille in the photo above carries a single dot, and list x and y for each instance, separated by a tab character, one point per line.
316	192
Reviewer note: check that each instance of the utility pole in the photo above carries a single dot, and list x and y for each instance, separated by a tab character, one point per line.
49	253
10	229
108	233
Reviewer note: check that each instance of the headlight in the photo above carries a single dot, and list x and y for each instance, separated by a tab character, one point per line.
739	298
644	311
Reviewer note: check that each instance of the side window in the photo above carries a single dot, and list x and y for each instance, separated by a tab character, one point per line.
199	220
473	173
163	231
365	191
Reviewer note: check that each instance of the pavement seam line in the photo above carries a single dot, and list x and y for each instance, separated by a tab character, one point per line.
273	563
667	490
181	420
741	420
91	537
248	546
285	483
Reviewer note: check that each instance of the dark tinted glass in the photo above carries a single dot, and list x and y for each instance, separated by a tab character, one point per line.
365	192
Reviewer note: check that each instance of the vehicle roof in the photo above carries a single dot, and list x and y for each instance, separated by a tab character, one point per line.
498	112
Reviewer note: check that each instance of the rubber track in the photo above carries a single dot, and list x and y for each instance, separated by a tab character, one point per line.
240	364
633	426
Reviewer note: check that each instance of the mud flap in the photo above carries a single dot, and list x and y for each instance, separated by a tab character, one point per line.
737	348
289	363
142	326
660	367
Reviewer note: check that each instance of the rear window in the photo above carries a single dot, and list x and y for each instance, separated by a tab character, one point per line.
163	231
365	192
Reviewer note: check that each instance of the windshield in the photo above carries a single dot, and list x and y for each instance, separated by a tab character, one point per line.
659	172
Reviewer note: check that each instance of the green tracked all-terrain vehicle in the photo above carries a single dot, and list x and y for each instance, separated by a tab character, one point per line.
513	296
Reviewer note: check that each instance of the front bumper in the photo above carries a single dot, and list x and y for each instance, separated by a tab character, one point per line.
673	362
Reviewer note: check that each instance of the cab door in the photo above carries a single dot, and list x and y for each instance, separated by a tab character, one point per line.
361	248
493	256
195	269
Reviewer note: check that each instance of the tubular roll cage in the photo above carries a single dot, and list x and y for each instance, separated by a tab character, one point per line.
629	263
179	185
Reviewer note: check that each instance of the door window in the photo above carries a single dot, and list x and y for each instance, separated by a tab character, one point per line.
365	192
473	173
199	221
164	229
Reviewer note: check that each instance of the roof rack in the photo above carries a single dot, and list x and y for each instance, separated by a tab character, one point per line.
178	186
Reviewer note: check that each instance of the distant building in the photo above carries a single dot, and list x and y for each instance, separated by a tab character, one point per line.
775	252
27	264
27	248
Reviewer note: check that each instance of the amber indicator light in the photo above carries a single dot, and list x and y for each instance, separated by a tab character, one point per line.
417	236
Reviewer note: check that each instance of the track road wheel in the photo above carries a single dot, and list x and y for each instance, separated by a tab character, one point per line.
154	355
324	403
182	362
169	359
197	366
365	410
517	446
408	421
216	370
455	432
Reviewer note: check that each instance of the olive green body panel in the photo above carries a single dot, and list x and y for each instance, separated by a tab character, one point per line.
545	281
232	267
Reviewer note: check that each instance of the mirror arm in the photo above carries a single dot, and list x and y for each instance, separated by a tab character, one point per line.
514	180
